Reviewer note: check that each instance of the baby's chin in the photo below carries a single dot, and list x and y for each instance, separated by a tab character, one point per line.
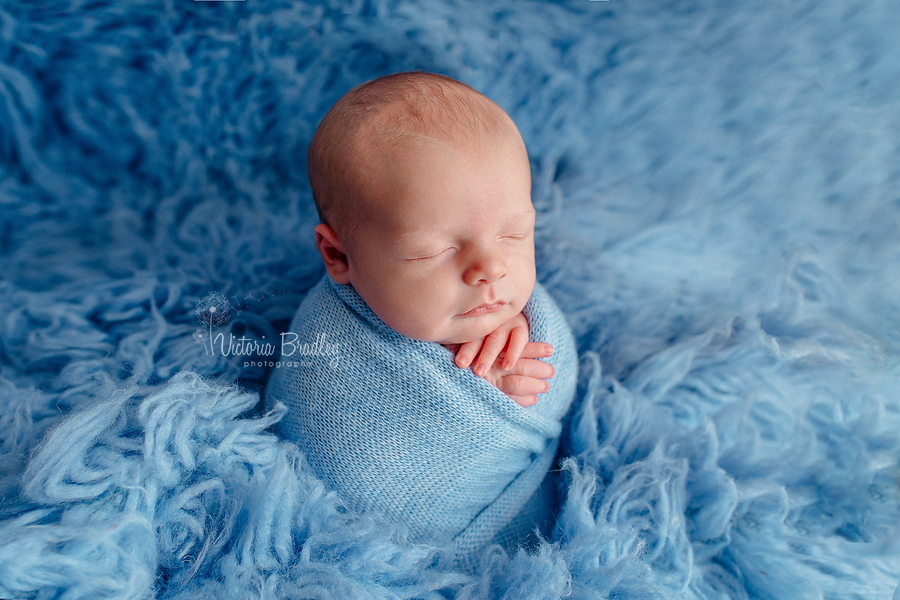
469	329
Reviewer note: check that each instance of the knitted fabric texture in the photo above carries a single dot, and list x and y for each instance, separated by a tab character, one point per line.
395	427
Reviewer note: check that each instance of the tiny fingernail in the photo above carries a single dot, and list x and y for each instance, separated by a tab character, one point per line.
463	361
548	349
480	369
507	365
546	386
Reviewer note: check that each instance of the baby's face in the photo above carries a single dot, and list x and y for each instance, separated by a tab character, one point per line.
445	252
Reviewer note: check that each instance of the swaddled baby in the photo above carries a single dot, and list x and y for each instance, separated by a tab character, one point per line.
433	404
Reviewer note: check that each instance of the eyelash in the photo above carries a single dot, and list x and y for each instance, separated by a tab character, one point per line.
435	255
432	255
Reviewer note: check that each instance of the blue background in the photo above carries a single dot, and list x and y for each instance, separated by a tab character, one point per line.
718	216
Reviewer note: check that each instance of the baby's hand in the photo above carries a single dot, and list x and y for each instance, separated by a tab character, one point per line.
510	336
521	381
527	378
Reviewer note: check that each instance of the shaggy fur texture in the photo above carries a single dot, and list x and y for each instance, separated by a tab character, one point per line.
716	184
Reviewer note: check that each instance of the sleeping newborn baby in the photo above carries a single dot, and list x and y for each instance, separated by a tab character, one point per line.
441	408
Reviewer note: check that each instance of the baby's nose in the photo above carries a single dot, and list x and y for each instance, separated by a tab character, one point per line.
486	267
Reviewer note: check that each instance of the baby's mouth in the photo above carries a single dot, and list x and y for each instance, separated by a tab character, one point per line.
484	309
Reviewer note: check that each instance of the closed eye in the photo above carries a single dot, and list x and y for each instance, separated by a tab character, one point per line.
520	236
434	255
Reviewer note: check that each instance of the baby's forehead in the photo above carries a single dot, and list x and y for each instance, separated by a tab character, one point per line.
385	146
357	140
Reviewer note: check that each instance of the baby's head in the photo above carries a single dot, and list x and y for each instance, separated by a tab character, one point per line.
423	187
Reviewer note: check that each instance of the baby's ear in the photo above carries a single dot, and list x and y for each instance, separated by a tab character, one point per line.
333	253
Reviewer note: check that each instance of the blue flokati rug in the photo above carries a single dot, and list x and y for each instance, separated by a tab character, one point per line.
717	189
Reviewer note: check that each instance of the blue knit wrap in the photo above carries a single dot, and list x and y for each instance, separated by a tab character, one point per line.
396	427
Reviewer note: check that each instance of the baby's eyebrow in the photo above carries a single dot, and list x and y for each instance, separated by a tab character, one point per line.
415	235
523	217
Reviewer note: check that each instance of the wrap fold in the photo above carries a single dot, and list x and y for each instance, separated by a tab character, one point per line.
396	427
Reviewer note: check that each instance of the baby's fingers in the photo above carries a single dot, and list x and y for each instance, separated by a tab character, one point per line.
524	400
530	367
520	385
536	350
493	345
518	339
466	352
